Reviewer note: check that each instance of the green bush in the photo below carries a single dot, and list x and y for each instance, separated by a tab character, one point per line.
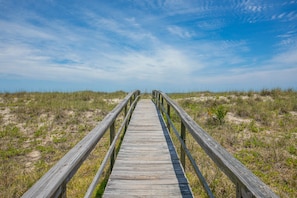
220	113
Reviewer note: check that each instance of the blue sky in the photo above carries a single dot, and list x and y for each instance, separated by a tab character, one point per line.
172	45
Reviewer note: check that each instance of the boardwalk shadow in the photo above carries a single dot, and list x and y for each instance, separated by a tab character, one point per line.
179	172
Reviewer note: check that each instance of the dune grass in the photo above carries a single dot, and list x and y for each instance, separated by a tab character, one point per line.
258	128
37	129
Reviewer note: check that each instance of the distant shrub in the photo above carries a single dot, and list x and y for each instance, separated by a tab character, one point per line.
217	115
221	113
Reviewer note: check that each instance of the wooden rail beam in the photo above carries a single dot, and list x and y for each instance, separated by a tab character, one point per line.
168	113
182	151
53	183
247	184
112	135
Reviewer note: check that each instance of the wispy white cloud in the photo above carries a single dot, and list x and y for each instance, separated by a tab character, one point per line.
163	63
287	40
286	59
213	24
279	71
63	55
124	47
286	16
181	32
249	80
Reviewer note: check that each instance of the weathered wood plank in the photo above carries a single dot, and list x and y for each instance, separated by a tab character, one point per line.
54	181
248	185
146	165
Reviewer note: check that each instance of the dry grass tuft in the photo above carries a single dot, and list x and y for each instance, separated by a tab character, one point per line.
37	129
259	129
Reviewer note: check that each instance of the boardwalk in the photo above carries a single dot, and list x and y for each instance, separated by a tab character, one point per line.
147	164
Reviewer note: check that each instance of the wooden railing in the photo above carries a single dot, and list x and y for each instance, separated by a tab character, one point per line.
54	182
247	184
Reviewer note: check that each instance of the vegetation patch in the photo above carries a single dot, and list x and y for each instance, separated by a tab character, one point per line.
258	128
37	129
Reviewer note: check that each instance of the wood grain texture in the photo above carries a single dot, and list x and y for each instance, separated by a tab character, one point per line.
147	164
248	185
54	181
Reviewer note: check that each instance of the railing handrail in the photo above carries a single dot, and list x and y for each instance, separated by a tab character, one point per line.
247	184
53	183
111	150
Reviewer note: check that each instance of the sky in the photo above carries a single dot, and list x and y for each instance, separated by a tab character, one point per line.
169	45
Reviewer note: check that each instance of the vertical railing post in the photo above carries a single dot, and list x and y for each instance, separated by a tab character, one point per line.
159	97
131	100
162	106
168	113
112	135
238	191
63	188
183	137
125	111
241	192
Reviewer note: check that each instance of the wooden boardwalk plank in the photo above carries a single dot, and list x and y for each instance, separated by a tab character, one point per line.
147	164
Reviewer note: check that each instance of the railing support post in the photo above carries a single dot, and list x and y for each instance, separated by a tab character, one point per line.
168	113
182	152
61	192
112	135
242	193
158	100
238	191
155	93
126	111
63	189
